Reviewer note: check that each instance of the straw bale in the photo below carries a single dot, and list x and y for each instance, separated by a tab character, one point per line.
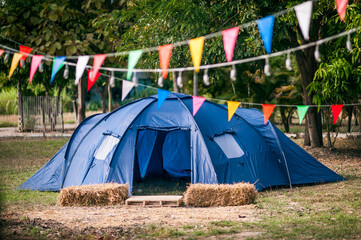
93	195
205	195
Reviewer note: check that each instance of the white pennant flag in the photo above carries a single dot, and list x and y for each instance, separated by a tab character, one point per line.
80	67
127	87
304	14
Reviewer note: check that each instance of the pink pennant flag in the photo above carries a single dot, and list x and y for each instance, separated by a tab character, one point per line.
35	62
197	103
164	58
97	62
93	79
229	41
1	51
336	110
341	6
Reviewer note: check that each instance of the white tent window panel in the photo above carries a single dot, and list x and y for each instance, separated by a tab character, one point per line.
229	145
106	147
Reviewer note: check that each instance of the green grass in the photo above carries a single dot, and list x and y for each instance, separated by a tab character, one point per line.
324	211
19	160
4	124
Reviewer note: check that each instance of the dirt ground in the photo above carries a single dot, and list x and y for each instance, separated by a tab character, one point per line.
119	216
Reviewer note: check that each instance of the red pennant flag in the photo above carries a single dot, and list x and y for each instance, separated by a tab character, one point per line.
164	57
97	62
267	111
341	8
336	110
24	50
1	51
229	41
92	80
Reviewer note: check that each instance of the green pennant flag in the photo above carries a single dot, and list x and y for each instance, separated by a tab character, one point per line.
302	110
132	61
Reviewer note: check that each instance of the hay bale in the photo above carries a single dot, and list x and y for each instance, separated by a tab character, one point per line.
93	195
205	195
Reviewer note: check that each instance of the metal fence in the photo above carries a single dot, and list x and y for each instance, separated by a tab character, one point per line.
40	113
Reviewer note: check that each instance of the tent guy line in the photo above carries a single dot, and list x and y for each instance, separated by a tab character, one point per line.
180	43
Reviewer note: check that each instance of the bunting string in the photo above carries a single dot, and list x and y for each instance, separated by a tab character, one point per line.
216	65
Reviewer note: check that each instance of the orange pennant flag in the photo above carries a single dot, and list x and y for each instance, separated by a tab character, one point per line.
24	50
336	110
232	108
196	47
164	58
267	111
14	63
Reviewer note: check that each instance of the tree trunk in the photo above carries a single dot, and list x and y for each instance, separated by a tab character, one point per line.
349	122
57	105
81	99
284	120
175	86
308	66
195	84
20	108
110	100
103	96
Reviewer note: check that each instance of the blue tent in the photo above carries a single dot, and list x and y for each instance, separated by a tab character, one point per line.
139	140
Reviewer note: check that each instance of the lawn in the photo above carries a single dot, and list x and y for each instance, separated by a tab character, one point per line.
323	211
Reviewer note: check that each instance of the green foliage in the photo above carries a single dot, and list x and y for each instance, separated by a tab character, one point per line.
8	102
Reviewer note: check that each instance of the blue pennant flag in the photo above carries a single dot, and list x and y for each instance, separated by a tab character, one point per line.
162	96
58	63
265	27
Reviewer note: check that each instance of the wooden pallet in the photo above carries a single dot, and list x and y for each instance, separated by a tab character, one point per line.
157	200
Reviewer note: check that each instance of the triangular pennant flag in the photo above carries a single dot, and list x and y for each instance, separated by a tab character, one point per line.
265	27
127	87
1	51
164	57
162	96
302	110
267	111
304	14
80	67
97	62
232	108
132	61
14	63
336	110
58	63
35	62
197	103
93	78
24	50
229	41
341	6
196	47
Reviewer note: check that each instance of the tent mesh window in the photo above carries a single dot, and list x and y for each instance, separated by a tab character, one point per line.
229	145
106	147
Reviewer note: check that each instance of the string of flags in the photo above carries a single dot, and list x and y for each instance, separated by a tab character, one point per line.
265	26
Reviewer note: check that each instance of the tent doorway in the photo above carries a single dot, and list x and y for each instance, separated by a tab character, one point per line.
162	153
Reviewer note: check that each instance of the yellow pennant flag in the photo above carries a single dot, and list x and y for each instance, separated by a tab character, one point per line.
196	47
14	63
232	108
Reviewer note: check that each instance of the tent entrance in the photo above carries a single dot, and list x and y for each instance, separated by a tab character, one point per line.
162	153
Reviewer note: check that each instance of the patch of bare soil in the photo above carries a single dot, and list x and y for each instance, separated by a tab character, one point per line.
103	217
